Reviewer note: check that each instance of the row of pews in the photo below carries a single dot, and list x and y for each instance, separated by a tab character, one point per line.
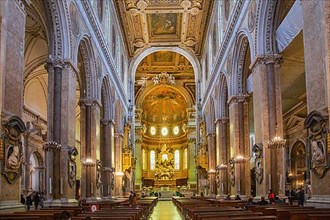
112	210
211	209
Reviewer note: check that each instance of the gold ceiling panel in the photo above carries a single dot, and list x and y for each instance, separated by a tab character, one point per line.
148	23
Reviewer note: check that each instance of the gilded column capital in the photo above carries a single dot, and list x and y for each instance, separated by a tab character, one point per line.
107	122
119	135
210	134
238	98
222	120
266	59
88	102
52	63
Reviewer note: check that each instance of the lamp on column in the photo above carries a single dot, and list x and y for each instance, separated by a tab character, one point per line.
276	143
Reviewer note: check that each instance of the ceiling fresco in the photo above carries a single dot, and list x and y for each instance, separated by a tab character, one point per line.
164	105
148	23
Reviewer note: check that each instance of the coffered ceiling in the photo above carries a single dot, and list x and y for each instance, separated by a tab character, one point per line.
152	23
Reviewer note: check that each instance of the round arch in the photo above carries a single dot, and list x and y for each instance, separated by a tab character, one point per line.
89	81
265	27
191	57
106	97
241	48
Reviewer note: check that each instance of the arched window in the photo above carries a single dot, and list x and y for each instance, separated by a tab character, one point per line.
152	160
185	159
143	159
176	159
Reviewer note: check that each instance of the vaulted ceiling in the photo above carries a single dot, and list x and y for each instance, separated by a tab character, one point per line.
152	23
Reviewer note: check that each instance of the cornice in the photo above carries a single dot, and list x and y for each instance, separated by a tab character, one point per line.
225	46
100	42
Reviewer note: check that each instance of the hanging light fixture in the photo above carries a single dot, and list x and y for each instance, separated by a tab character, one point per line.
276	143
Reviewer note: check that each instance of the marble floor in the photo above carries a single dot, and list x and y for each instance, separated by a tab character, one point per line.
165	210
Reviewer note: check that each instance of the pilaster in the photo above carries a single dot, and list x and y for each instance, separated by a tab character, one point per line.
239	143
106	157
222	154
268	121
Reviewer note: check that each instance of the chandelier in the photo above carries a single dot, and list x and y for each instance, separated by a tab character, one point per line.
163	78
276	143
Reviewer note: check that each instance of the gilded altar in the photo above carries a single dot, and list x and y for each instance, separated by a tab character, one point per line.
164	169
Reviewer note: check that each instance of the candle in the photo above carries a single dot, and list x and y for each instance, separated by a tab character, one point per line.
222	187
108	189
239	186
280	186
92	188
50	185
270	181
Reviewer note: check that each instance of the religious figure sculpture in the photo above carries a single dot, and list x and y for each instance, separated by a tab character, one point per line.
14	161
318	156
258	170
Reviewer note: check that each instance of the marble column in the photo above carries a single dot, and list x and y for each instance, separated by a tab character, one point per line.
61	132
268	120
89	120
316	33
53	145
106	158
222	154
239	143
192	175
119	141
139	156
210	137
12	29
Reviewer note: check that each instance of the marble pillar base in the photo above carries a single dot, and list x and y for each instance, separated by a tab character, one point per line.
319	201
11	206
61	202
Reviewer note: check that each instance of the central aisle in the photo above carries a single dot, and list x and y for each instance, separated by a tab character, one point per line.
165	210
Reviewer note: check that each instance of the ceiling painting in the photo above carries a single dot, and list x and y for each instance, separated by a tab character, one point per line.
177	23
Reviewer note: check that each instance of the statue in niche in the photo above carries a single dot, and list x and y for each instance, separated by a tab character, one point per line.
14	160
318	156
316	123
232	172
258	170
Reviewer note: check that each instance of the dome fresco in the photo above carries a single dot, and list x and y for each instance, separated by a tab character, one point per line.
164	105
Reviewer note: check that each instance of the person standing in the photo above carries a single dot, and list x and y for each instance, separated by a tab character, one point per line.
28	202
271	195
130	198
42	199
36	200
301	197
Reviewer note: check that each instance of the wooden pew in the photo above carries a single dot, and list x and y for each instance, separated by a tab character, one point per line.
318	216
207	216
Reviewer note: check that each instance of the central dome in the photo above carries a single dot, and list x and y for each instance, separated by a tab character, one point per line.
164	105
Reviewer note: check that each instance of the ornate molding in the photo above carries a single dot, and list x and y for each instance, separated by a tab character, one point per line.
104	48
224	47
